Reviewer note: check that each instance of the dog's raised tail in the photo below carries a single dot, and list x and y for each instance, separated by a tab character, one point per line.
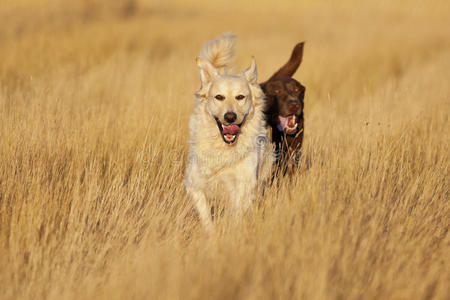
220	51
289	69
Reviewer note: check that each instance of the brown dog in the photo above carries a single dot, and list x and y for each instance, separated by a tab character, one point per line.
284	112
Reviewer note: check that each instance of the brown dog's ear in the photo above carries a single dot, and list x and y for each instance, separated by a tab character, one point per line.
293	63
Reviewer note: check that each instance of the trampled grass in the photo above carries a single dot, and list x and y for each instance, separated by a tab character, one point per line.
95	99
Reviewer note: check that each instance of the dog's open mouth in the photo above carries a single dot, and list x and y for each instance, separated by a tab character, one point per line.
288	124
229	132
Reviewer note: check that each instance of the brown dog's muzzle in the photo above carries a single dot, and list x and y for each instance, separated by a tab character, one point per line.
293	106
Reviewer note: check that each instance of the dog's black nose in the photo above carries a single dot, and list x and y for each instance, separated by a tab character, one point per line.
293	105
230	117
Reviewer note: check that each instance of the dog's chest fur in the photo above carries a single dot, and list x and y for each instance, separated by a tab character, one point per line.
217	164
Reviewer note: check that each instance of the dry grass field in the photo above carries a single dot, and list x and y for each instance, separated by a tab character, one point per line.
95	98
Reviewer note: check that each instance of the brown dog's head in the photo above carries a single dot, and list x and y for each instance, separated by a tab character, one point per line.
284	96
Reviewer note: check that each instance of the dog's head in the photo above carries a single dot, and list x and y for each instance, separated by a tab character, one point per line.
230	99
284	96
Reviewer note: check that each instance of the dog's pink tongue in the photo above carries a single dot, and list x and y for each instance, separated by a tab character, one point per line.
231	129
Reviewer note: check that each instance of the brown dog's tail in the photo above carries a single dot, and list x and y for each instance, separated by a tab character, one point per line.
293	63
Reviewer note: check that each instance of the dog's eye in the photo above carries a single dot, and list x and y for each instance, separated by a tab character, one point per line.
277	91
240	97
219	97
296	89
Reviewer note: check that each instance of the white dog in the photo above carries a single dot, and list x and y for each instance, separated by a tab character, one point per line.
229	157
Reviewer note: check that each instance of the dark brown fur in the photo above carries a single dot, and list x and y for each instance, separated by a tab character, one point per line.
285	97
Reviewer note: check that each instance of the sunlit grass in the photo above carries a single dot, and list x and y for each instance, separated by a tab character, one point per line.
94	106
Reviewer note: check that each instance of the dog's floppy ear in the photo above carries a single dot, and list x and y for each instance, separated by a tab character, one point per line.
207	71
293	63
251	74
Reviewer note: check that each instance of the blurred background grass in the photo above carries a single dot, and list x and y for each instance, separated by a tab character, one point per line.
95	98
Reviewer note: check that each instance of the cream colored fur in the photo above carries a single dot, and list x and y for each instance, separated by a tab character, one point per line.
220	51
229	174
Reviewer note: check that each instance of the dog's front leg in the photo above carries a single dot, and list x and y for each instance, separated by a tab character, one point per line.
242	202
201	204
243	196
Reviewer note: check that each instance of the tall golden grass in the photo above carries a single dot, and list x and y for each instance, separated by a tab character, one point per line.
95	98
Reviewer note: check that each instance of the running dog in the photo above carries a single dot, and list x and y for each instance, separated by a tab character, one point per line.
284	112
229	157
